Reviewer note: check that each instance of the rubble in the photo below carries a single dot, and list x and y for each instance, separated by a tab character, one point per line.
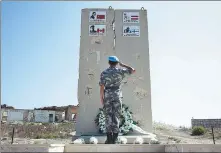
4	106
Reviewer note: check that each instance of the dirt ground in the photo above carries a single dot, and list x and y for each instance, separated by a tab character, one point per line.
169	135
61	133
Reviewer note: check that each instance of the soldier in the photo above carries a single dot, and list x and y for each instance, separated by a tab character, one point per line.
111	95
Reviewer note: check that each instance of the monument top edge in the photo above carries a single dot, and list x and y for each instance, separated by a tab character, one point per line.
96	9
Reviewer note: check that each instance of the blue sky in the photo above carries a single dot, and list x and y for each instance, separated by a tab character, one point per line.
40	53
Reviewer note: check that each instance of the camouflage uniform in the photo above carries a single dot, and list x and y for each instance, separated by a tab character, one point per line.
111	78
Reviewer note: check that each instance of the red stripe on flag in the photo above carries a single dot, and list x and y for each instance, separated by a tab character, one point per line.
100	16
100	30
134	16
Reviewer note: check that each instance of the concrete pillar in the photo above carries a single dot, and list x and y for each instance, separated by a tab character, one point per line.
134	51
94	51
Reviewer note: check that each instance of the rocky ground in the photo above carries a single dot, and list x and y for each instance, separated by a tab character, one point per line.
37	133
61	133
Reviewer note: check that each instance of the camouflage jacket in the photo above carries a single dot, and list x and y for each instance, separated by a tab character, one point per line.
112	78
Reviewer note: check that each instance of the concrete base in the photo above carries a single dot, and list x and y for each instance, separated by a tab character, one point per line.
112	148
142	148
33	148
102	138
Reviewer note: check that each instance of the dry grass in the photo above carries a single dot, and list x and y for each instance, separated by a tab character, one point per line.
38	131
177	140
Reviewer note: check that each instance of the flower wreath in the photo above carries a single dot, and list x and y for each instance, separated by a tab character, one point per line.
126	120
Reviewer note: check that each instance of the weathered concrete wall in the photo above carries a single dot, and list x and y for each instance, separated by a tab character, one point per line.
28	116
93	60
44	116
94	51
114	148
33	148
193	148
4	115
23	115
207	123
15	115
135	52
25	148
70	111
59	116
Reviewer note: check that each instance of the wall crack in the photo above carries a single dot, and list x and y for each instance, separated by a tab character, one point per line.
113	26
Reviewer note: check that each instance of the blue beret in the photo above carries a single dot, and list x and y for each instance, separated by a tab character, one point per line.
113	59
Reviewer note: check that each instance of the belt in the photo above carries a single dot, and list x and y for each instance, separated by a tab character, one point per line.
114	88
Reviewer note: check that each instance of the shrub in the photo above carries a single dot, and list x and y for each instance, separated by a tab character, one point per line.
198	130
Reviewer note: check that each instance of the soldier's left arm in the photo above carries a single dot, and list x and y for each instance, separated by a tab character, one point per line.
102	79
102	94
102	83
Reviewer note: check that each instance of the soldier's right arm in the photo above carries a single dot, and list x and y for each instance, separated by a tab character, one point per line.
127	69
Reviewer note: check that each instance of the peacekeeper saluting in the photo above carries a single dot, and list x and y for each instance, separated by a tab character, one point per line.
111	95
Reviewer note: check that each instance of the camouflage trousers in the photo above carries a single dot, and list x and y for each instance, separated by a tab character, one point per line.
112	110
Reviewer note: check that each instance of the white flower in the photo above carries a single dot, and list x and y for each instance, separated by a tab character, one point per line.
139	140
123	140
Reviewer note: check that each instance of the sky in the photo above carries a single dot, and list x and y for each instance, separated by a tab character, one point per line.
40	55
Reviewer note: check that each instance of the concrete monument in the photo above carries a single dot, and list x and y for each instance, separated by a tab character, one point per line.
106	32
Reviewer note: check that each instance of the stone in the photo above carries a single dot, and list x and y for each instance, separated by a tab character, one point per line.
93	140
102	138
79	141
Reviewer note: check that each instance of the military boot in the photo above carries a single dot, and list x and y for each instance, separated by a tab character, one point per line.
115	138
109	138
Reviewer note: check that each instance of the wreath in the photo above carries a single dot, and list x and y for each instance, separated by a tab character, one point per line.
126	120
